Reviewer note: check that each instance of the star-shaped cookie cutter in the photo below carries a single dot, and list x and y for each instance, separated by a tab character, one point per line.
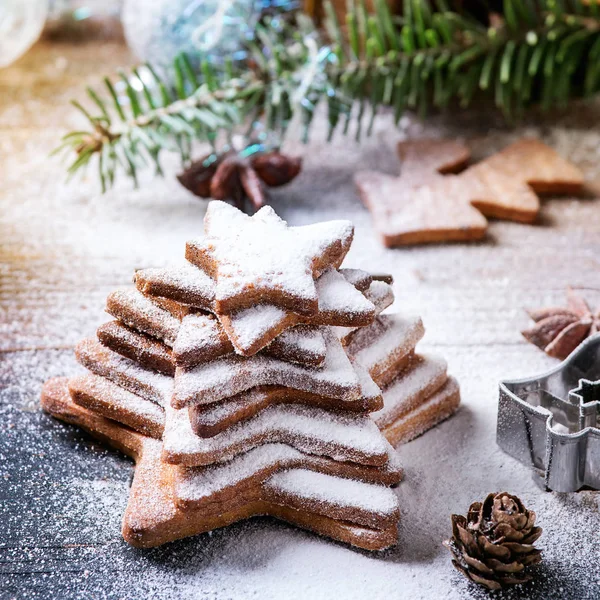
552	422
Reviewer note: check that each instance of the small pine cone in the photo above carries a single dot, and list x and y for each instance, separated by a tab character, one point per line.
493	545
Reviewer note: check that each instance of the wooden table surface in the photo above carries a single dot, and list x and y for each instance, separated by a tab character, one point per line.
64	247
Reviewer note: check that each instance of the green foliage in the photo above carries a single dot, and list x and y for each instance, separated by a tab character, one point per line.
538	52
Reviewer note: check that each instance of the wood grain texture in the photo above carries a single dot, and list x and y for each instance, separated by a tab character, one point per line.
64	247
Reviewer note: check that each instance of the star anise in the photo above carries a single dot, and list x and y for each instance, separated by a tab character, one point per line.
233	176
558	331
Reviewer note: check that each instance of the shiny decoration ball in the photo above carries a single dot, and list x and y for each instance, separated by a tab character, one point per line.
214	29
21	22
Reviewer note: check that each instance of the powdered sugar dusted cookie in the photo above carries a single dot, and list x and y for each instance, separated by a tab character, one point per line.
147	351
426	375
124	372
189	337
185	283
200	339
209	419
381	295
109	400
285	431
231	375
417	392
196	487
304	344
386	347
155	514
305	489
260	259
339	303
433	410
139	313
251	330
353	437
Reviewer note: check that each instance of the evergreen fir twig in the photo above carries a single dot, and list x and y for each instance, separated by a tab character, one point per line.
537	51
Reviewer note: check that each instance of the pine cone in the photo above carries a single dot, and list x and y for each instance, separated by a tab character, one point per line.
233	176
558	331
492	546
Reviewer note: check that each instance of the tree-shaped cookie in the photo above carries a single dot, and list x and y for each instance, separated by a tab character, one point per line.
265	410
425	205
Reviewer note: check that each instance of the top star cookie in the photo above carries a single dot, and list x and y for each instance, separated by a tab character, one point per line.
260	259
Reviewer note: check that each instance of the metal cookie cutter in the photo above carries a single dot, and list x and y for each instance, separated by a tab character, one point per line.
552	422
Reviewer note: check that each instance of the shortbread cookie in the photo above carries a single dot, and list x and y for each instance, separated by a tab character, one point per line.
153	516
422	157
426	375
186	284
386	347
342	437
139	347
260	259
360	279
317	492
251	330
199	487
140	313
303	344
339	303
424	206
201	339
197	338
417	393
209	419
438	407
380	293
430	213
114	402
231	375
124	372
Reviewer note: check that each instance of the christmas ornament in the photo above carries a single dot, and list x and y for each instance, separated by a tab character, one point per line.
425	205
493	544
552	422
21	23
240	176
558	331
160	30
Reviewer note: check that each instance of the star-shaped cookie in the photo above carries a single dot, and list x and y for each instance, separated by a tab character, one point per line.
231	375
423	205
152	335
344	501
343	300
260	259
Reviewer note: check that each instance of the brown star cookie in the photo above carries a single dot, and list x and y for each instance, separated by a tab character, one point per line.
423	205
417	392
342	300
161	334
261	259
167	502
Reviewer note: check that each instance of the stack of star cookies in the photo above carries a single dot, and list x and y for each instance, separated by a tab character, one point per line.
417	391
242	384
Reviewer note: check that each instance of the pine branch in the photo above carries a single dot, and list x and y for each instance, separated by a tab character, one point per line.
158	118
537	51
